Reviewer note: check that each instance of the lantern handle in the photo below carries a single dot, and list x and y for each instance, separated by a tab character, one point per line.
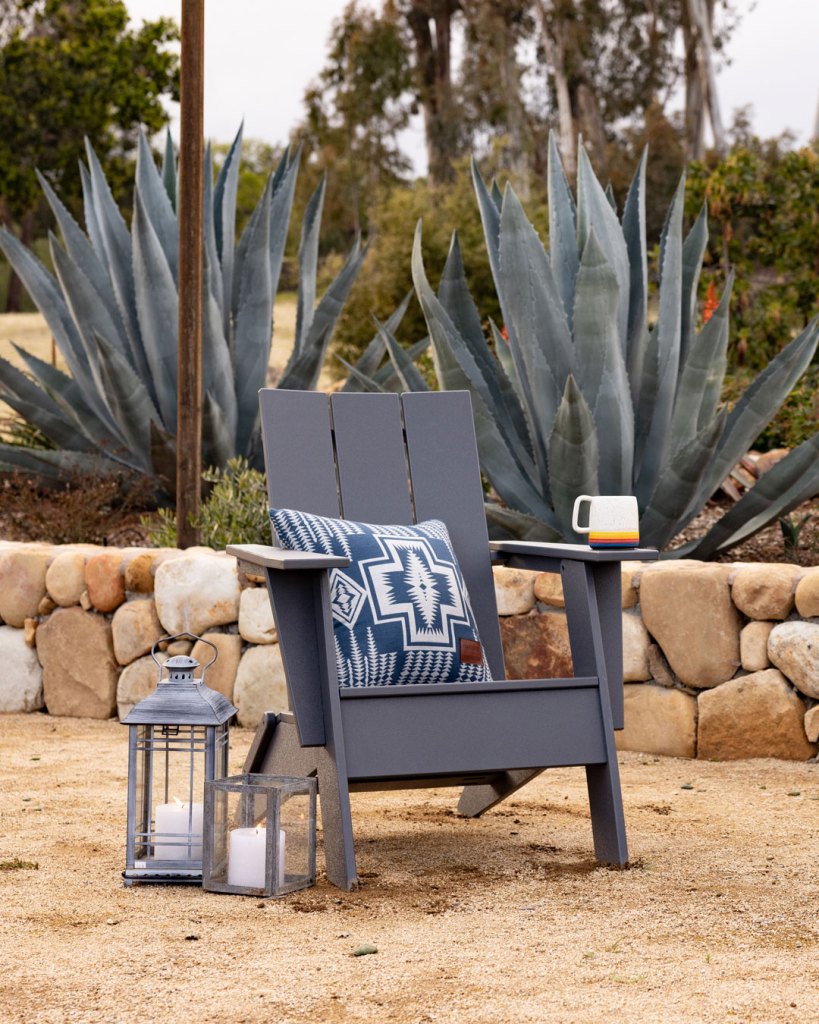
191	636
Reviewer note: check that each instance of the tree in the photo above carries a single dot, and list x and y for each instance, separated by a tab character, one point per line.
495	106
431	25
356	109
71	69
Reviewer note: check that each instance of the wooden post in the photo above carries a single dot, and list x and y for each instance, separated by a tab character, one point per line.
189	393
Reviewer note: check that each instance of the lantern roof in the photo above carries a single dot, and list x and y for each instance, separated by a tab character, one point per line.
178	702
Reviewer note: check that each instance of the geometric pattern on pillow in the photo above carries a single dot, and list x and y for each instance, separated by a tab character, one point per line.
401	611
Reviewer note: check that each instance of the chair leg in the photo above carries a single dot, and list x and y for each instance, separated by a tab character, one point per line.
285	755
477	799
608	821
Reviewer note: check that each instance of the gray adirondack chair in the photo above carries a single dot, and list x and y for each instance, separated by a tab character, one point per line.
384	458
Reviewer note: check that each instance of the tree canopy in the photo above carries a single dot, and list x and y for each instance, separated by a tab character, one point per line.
69	70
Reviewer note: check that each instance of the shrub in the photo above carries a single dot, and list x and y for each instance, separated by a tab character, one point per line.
234	512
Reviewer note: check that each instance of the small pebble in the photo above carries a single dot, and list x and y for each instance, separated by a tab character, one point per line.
686	785
365	950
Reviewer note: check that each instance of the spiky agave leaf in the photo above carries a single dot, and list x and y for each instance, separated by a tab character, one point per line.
113	305
607	403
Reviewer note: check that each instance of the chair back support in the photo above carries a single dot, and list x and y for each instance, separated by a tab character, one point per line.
385	458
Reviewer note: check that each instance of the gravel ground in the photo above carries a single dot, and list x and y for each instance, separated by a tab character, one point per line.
501	919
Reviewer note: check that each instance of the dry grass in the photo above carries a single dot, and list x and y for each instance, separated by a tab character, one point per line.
30	331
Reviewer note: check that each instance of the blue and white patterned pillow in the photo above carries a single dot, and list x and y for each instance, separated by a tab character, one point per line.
401	612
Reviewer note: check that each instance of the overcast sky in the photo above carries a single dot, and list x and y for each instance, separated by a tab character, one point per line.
261	54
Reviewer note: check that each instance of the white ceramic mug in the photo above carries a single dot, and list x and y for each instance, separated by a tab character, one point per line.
614	520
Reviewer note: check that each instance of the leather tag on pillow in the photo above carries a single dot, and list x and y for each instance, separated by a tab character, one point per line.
471	652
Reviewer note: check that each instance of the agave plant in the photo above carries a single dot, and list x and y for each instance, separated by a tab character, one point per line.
112	309
579	394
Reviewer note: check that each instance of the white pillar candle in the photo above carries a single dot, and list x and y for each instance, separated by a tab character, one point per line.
178	819
246	857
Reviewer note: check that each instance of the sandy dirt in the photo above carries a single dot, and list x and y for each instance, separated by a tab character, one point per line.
506	918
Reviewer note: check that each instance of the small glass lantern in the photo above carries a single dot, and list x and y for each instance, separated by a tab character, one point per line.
260	835
178	740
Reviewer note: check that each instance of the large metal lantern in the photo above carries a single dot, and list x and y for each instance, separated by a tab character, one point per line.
177	741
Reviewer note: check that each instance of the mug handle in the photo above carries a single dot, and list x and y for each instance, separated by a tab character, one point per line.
578	501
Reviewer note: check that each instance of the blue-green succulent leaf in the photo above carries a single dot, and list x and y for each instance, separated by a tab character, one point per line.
679	480
407	373
305	365
158	306
254	320
453	293
282	189
308	263
693	252
156	204
45	291
130	404
594	212
490	218
662	362
573	455
169	169
700	381
224	220
634	233
116	249
37	407
370	359
506	522
790	482
562	231
501	464
757	405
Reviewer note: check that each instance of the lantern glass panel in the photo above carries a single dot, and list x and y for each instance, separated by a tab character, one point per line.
260	835
171	765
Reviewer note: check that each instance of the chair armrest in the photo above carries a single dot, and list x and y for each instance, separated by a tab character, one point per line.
547	556
263	557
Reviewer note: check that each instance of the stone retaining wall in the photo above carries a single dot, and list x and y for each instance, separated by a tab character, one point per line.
721	661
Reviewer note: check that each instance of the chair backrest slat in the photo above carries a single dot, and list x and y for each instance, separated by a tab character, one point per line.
446	484
371	458
387	471
298	451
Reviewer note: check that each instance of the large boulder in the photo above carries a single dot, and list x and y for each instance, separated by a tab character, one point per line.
549	586
514	590
260	685
794	648
139	567
21	681
658	721
689	612
136	682
196	592
22	583
636	643
536	646
135	628
812	724
807	594
221	675
766	591
79	669
104	580
757	715
256	623
753	646
65	578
